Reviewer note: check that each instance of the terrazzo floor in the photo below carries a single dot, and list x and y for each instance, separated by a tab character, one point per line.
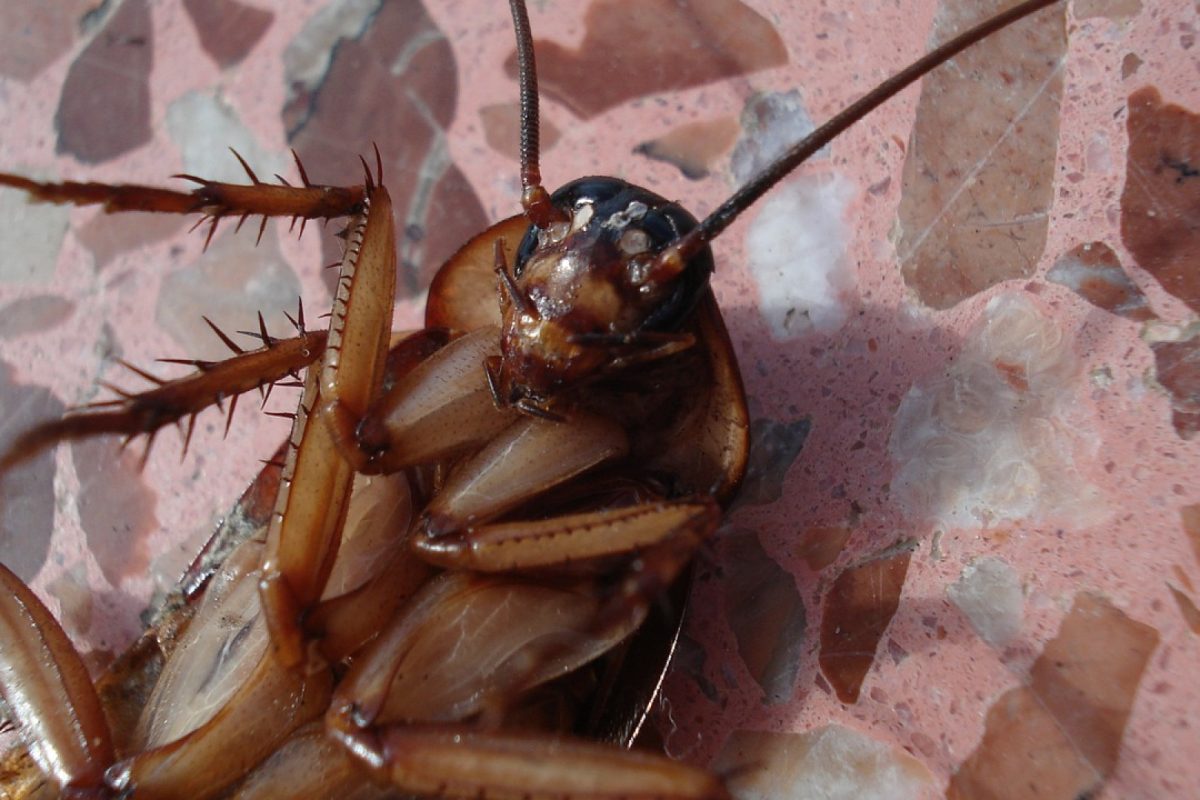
966	559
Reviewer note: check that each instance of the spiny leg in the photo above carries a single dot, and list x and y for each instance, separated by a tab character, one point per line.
303	537
174	401
215	200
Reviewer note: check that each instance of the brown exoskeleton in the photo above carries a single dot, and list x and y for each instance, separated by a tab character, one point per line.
583	329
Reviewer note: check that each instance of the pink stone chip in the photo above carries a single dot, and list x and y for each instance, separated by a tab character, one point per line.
1158	206
35	314
228	30
1190	517
1094	272
116	507
1177	369
858	609
659	41
820	546
1187	609
100	120
36	33
107	236
767	616
694	148
502	126
1059	736
832	761
26	493
977	188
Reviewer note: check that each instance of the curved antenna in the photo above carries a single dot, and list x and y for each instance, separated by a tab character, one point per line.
674	258
535	200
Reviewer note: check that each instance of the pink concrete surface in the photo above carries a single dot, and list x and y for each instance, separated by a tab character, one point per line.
992	510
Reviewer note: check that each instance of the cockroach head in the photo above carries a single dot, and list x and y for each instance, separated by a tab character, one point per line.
588	291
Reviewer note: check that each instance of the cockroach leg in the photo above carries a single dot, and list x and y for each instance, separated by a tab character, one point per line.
49	692
239	735
572	539
214	199
438	410
461	761
205	707
315	489
512	468
173	402
314	761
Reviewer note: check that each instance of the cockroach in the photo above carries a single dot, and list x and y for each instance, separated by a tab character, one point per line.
618	359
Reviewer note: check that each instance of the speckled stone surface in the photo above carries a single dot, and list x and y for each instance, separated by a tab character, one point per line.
967	558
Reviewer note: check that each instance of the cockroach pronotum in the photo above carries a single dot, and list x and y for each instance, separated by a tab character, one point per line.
622	366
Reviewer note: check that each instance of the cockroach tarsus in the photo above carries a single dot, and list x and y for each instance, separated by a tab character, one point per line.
584	327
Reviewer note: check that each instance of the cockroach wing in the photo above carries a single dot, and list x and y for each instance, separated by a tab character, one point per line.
373	534
215	655
706	443
466	643
222	660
